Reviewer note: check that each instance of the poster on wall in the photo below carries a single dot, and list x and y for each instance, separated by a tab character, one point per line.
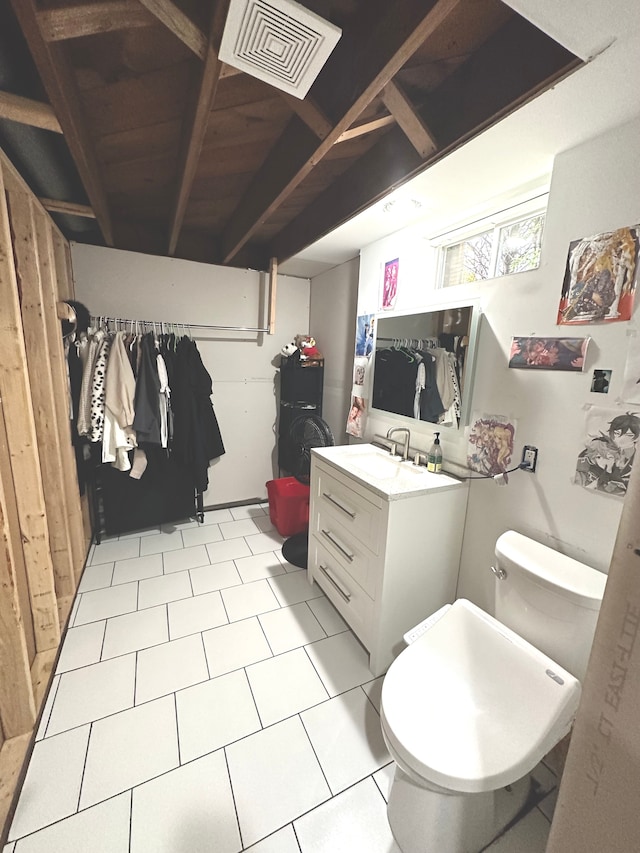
490	443
365	333
631	383
365	336
605	461
356	417
390	284
600	278
548	353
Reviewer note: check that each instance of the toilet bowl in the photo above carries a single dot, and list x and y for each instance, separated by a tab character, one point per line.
468	709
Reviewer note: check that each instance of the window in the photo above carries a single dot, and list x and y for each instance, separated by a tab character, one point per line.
507	246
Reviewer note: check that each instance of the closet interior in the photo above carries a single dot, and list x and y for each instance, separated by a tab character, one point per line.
44	524
143	425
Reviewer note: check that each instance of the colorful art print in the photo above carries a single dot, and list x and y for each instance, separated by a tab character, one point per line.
390	284
365	333
548	353
491	439
600	278
356	417
611	437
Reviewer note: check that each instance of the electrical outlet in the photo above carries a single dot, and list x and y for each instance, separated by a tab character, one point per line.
529	458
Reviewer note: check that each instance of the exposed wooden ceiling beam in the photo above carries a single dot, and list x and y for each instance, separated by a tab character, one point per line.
401	108
366	127
310	113
59	81
397	38
68	207
195	125
180	25
87	19
475	97
26	111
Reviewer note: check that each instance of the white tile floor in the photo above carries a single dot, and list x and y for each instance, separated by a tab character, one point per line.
207	698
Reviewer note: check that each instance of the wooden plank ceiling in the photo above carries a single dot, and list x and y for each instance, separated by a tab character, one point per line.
182	155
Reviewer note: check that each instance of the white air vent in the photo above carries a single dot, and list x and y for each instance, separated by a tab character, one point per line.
278	41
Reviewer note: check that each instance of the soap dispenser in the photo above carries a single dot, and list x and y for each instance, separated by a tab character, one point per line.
434	463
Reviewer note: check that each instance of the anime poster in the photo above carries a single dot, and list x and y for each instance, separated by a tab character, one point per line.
365	333
605	462
548	353
390	284
631	383
490	444
356	417
600	278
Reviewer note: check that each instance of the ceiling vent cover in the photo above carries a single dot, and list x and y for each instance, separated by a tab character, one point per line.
278	41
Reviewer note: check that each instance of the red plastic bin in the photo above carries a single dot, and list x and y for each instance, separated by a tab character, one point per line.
288	505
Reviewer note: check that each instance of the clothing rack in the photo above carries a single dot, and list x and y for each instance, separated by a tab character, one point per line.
166	326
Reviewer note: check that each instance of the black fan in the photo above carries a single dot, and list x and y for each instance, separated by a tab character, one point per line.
305	433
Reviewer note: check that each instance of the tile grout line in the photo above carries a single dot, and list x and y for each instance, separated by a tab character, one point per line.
130	819
175	707
255	704
233	797
84	768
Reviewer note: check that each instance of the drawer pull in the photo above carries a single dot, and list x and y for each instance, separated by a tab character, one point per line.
344	552
335	584
339	505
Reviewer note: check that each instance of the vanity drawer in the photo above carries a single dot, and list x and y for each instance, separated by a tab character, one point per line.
347	551
351	602
334	499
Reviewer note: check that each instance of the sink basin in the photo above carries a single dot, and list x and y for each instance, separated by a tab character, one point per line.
387	475
381	467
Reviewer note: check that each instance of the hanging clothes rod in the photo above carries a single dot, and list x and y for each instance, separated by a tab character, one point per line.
167	324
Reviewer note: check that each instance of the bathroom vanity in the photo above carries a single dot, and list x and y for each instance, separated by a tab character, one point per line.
384	542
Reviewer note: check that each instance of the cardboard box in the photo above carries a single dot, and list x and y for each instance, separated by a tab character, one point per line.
598	809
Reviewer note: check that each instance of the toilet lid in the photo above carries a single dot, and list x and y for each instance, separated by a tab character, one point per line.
471	706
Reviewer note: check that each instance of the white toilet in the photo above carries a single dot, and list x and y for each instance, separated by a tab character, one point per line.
472	705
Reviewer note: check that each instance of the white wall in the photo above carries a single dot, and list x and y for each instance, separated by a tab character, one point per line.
595	187
331	320
242	365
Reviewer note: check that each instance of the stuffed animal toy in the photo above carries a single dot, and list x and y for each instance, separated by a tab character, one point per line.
289	349
308	349
307	346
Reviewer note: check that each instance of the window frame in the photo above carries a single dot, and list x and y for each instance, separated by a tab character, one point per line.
495	222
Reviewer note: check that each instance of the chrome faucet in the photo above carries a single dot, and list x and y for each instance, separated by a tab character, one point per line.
405	448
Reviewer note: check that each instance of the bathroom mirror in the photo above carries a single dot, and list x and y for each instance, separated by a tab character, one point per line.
424	364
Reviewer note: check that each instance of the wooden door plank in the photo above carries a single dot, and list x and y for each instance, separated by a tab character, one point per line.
11	510
30	258
12	757
17	707
23	449
53	254
41	670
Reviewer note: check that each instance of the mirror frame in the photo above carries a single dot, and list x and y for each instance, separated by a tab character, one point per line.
470	361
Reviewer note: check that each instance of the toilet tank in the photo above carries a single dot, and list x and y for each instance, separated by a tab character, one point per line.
548	599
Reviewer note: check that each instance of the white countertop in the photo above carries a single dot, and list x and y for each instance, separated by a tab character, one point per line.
386	475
